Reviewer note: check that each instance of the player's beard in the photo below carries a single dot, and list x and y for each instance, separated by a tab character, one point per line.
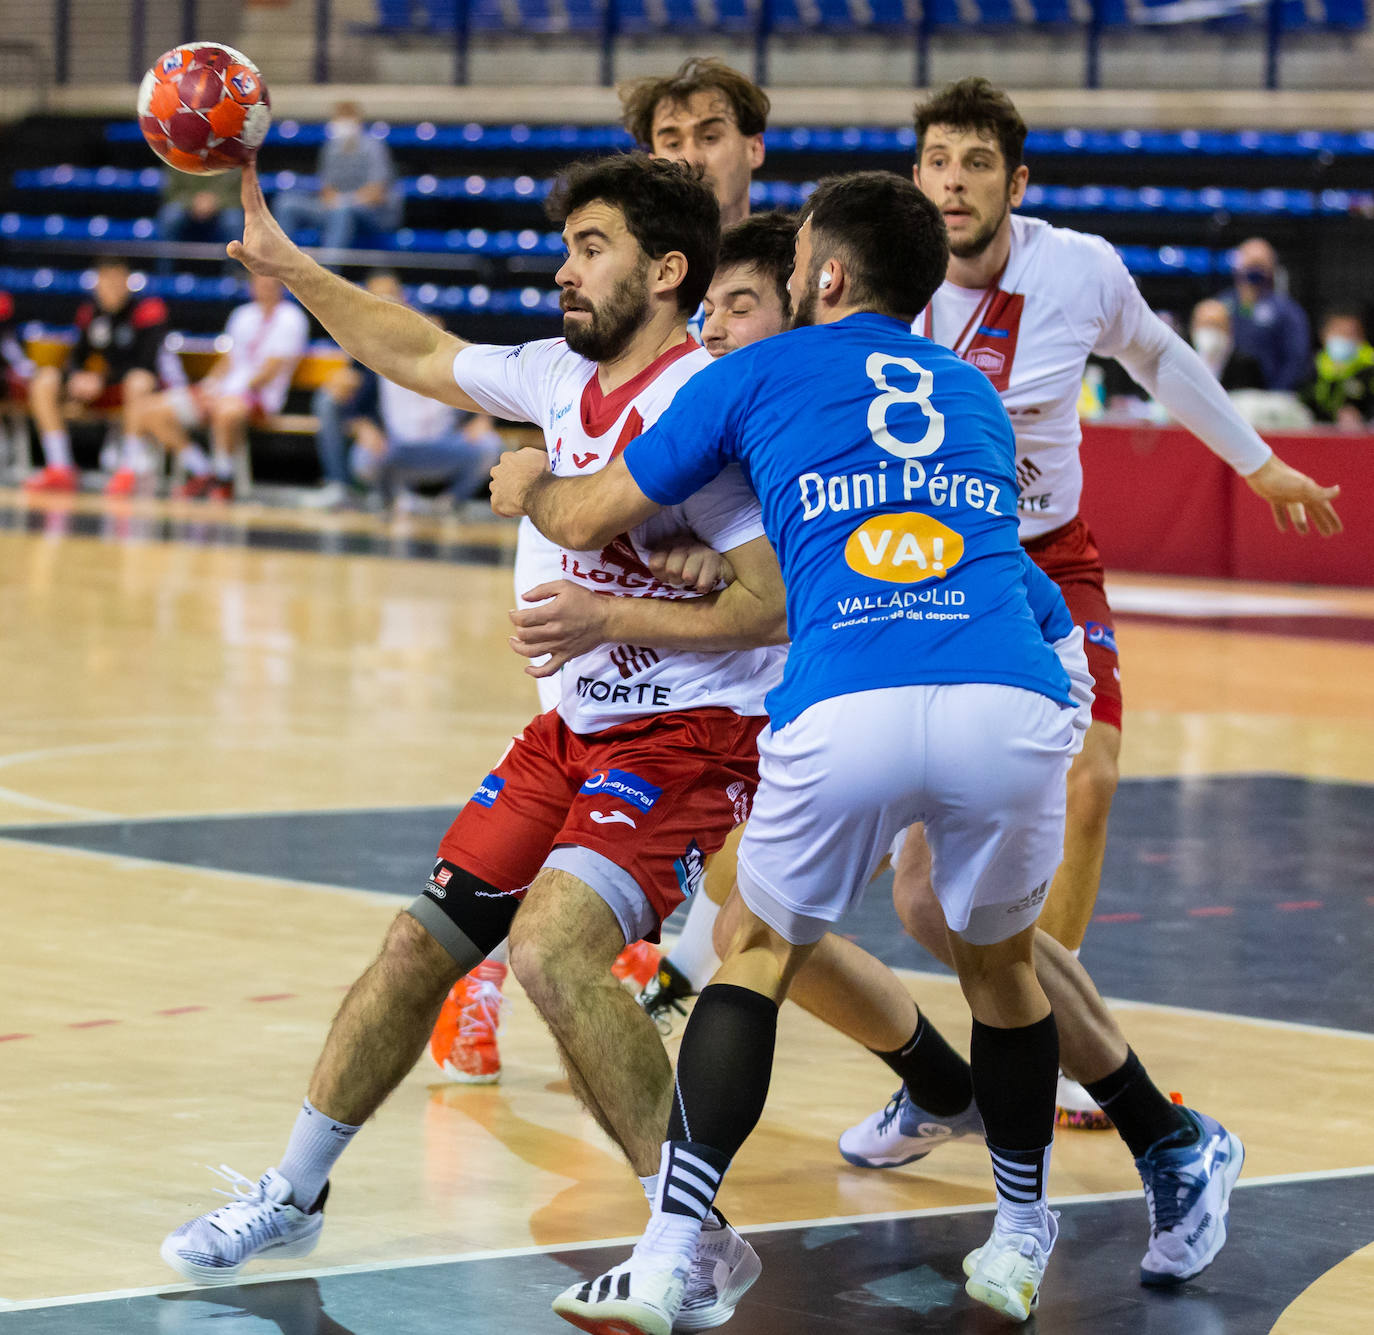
805	312
976	244
615	322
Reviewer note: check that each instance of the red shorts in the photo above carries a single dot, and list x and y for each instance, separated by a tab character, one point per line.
655	797
1069	556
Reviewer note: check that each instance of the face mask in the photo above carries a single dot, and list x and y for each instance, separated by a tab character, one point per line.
1260	278
1341	349
1213	345
343	127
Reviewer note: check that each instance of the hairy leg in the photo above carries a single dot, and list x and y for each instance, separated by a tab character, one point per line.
382	1026
562	944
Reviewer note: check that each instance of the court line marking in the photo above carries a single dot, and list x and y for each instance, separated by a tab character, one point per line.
256	878
512	1253
184	817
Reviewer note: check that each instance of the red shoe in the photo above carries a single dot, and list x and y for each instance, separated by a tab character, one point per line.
637	963
53	479
463	1044
221	489
195	487
124	482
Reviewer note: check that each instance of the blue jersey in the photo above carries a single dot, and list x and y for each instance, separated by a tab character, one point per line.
885	469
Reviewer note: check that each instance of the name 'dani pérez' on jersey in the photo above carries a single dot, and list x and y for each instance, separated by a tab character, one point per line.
902	547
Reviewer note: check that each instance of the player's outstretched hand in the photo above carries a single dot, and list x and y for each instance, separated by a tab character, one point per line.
1296	498
692	565
515	473
568	621
265	248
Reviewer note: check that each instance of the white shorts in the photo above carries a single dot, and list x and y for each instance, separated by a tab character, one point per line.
538	561
983	766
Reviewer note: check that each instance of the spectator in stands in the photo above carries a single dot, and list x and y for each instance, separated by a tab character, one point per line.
357	185
1342	392
709	115
1266	323
267	337
117	363
14	360
401	440
1210	334
199	208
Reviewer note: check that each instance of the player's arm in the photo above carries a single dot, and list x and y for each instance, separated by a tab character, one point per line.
747	613
269	371
580	513
395	341
1160	361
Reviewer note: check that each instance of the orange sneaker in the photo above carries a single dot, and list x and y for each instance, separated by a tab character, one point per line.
636	964
53	479
124	482
221	489
463	1044
196	487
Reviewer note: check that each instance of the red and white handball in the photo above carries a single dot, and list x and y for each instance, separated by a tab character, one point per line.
203	108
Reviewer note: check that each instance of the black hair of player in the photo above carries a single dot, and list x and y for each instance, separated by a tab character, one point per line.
767	242
641	98
889	237
974	104
667	206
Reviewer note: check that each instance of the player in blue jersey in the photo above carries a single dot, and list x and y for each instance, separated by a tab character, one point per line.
920	684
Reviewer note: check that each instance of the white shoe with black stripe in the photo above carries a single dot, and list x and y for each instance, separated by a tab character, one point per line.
641	1296
724	1269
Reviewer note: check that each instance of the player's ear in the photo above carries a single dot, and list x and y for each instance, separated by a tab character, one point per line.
1020	178
671	271
755	152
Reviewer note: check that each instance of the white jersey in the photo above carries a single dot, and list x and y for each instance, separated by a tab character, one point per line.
256	336
1062	295
548	384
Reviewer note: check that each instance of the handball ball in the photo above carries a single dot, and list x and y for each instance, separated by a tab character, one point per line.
203	108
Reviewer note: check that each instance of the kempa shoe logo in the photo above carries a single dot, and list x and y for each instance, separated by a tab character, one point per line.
934	1130
1192	1238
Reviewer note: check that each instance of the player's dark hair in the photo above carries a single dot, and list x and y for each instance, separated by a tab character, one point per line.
767	241
974	104
640	98
666	205
890	238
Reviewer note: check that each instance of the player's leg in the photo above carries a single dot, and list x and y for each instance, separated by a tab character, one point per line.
135	460
563	943
685	969
228	415
1091	788
45	406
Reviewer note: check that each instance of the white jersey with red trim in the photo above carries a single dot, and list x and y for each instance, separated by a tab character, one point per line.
550	385
255	337
1062	295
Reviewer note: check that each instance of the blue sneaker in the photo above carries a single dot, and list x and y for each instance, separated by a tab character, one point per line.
902	1133
1188	1190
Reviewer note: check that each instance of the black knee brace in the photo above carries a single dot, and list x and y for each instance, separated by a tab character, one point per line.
468	917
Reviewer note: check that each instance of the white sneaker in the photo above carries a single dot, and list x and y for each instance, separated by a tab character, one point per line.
641	1296
1188	1190
1076	1109
331	496
723	1270
259	1219
1005	1272
903	1132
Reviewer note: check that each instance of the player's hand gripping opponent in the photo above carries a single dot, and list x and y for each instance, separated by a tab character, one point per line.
265	248
515	473
1295	498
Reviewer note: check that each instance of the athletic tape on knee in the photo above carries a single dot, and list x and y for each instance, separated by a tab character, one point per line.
464	913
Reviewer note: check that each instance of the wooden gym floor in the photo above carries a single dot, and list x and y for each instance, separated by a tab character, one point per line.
229	740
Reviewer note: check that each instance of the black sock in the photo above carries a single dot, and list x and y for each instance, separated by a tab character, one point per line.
1015	1072
1137	1108
723	1068
937	1078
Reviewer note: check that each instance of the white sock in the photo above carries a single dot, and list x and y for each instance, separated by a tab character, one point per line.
1075	950
650	1185
224	464
501	955
134	455
194	460
694	956
57	448
316	1143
